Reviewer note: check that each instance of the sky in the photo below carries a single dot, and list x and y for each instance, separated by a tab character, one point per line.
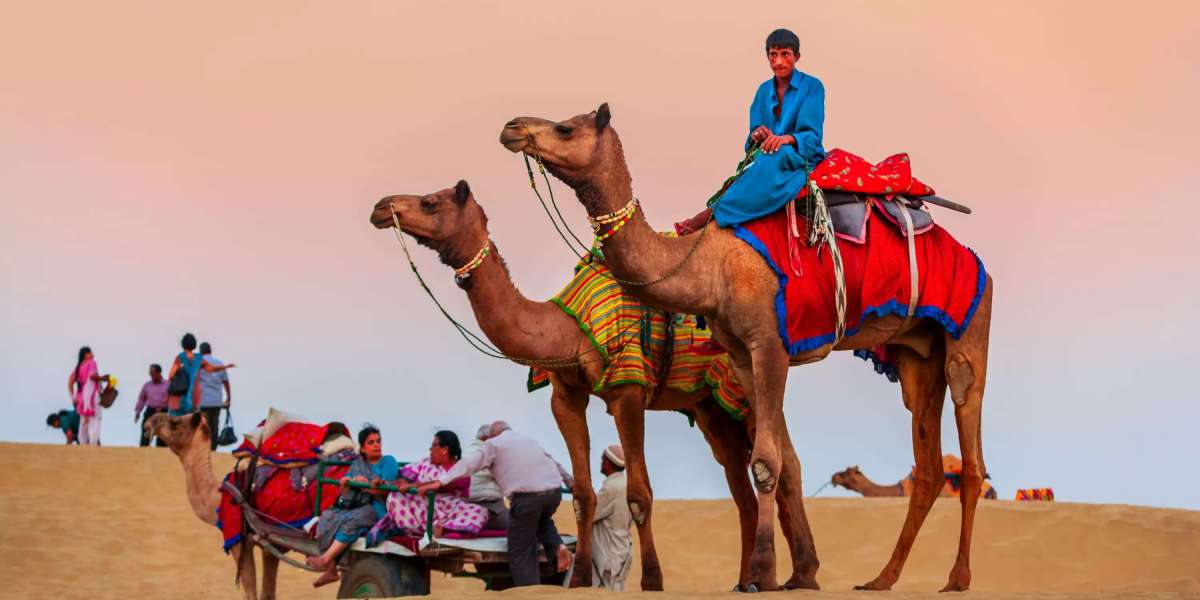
210	168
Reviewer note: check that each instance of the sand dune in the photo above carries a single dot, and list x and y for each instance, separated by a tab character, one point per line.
114	523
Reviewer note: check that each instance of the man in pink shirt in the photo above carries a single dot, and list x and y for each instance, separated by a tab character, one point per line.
153	398
532	481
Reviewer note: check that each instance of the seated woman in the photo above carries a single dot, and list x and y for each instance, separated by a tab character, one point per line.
356	510
452	512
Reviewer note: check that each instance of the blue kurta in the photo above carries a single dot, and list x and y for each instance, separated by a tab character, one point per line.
774	179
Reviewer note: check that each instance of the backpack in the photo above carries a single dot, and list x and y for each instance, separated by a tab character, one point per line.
182	380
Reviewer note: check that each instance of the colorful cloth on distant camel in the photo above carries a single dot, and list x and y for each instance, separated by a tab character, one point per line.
277	498
951	282
952	471
631	338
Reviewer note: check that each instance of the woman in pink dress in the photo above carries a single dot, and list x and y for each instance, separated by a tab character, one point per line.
84	387
452	512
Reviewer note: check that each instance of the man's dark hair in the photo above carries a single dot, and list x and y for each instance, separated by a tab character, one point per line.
157	368
449	441
783	38
52	420
365	432
188	342
205	348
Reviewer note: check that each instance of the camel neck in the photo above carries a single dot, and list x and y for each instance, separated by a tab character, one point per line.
519	327
638	253
870	489
203	489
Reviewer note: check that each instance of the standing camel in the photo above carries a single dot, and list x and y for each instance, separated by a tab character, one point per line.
722	278
453	224
188	437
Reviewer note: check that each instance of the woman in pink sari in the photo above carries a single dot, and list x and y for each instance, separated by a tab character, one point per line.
452	512
84	387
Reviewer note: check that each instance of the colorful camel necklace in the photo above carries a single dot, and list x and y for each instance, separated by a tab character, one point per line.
463	273
614	221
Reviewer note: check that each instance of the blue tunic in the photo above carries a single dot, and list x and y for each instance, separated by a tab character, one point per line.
774	179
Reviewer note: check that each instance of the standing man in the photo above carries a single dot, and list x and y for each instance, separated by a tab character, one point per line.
532	480
612	543
153	398
211	383
787	120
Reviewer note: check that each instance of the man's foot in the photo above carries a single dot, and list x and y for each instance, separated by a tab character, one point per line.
326	578
564	559
438	530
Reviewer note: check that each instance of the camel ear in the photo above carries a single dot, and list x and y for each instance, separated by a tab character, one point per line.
196	418
603	116
462	191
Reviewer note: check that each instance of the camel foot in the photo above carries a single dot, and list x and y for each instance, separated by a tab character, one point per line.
564	559
800	583
582	575
875	585
953	587
326	578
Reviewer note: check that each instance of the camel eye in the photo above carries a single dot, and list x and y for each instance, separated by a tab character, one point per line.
564	130
428	205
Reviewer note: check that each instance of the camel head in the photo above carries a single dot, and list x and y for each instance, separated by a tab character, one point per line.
449	221
573	150
849	479
179	433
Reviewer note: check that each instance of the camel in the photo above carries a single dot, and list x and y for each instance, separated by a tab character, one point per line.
852	478
188	437
454	225
713	274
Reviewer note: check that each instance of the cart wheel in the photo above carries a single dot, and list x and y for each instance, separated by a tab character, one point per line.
383	577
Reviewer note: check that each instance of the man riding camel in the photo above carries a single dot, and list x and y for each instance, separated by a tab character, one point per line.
787	120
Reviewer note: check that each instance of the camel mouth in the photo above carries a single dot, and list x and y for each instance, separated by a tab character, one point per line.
382	219
513	141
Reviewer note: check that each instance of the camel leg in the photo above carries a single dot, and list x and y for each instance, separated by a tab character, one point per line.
627	404
731	447
270	569
569	405
966	371
769	363
794	521
243	558
923	384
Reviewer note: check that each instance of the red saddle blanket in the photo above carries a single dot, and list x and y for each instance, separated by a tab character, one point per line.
845	172
278	499
950	286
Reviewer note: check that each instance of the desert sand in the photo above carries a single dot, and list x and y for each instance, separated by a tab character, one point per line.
100	523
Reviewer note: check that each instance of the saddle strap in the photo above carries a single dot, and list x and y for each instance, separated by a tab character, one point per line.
912	263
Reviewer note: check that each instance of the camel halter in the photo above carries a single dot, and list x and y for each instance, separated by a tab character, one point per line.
632	207
475	340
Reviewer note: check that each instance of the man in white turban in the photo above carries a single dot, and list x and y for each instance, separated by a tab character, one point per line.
612	541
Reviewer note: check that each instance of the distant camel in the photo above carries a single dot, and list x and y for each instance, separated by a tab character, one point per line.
853	479
188	437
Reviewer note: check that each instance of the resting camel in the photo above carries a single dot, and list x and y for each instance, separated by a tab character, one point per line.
453	224
188	437
720	277
853	479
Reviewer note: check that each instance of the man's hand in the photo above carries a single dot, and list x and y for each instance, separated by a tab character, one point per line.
773	143
432	486
760	133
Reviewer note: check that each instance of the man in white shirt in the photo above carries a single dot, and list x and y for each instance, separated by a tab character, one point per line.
532	481
484	489
612	543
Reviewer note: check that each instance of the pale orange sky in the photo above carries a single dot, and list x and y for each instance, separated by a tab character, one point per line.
166	168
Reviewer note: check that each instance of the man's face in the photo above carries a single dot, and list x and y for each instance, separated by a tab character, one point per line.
155	375
783	61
